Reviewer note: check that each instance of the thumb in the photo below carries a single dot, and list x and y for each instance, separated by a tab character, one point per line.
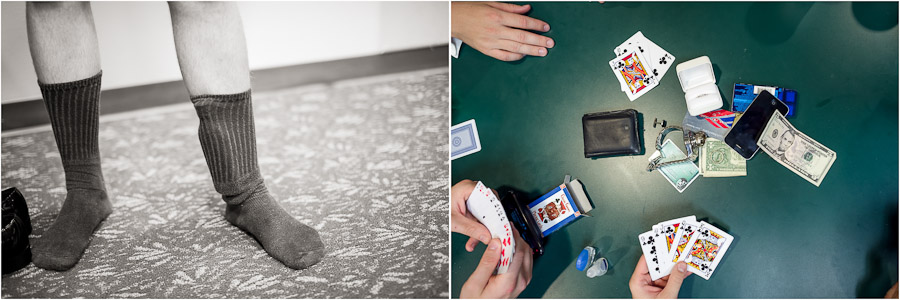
488	263
679	272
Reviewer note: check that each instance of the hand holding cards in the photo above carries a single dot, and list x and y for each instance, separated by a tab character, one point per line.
700	245
485	206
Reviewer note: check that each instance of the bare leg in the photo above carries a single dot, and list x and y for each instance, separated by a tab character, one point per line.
212	53
212	50
67	61
63	41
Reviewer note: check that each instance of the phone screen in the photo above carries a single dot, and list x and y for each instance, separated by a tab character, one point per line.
745	132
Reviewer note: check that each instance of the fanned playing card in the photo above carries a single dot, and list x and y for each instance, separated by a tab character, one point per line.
651	251
705	250
670	228
485	207
633	72
686	231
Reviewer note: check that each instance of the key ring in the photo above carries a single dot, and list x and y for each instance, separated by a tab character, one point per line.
692	141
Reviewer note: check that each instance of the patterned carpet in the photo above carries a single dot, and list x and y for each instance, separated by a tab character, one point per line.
364	161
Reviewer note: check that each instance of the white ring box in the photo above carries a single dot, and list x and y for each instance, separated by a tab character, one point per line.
699	85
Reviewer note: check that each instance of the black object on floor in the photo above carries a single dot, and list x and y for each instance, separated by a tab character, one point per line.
16	228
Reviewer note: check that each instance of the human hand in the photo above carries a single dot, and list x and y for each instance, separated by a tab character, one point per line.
664	288
491	28
461	221
483	284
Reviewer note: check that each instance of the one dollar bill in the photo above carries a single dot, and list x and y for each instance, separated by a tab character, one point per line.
717	159
795	150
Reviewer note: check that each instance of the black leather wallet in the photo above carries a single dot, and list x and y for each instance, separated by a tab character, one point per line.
611	133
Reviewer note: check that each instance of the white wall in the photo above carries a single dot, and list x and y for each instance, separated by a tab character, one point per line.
136	44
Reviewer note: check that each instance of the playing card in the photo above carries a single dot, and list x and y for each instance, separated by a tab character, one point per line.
632	70
648	246
554	209
464	139
670	228
485	207
705	250
658	58
665	264
683	235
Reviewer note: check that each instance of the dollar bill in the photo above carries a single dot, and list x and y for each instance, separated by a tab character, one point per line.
717	159
795	150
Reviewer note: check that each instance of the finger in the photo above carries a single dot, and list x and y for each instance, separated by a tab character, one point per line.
510	8
506	283
679	272
471	228
526	37
470	245
523	22
516	47
636	282
504	55
528	260
485	267
459	193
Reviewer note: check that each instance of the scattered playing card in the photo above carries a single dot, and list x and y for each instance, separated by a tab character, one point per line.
658	60
632	71
485	207
705	250
464	139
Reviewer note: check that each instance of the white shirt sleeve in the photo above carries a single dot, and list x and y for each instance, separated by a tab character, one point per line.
455	45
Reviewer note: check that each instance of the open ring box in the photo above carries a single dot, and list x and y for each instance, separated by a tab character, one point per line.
699	85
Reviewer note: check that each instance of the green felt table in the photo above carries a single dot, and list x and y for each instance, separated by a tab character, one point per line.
792	239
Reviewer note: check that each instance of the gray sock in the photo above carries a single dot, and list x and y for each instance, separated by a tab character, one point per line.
228	139
74	109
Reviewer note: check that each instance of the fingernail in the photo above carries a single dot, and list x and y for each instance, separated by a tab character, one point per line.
494	245
542	51
550	43
484	238
682	267
546	27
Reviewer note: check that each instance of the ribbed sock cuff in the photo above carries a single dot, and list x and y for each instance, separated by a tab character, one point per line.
74	109
228	138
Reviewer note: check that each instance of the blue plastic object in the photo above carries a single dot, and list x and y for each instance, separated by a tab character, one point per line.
583	260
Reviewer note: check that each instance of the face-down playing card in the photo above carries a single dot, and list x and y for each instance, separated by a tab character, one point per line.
705	250
632	71
485	207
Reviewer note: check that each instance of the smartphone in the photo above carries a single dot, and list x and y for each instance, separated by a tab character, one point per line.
746	131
